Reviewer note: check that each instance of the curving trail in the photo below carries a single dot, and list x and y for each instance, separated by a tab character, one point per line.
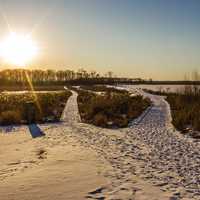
149	160
173	158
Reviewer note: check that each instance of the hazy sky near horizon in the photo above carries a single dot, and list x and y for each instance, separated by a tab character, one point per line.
156	39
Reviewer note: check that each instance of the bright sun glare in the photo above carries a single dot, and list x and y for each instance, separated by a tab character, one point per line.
18	49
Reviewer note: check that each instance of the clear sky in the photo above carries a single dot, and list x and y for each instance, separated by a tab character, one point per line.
157	39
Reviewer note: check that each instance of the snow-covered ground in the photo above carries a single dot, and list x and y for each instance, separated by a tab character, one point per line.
149	160
152	150
71	113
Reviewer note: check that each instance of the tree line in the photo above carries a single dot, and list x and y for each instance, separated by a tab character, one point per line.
10	77
45	77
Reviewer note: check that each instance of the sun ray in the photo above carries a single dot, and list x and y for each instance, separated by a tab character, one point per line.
33	91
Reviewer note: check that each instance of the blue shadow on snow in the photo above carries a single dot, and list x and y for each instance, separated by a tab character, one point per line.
35	131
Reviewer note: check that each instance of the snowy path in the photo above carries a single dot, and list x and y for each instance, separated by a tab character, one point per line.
148	160
150	151
173	158
71	113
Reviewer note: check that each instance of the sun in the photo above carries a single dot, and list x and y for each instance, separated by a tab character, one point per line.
18	49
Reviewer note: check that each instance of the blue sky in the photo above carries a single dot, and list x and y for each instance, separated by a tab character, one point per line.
135	38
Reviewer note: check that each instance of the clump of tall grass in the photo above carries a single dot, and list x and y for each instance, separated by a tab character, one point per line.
112	109
45	106
185	108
